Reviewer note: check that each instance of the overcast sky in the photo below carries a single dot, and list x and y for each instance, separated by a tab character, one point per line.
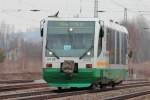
68	8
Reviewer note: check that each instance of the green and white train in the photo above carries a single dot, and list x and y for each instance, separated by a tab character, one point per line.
83	52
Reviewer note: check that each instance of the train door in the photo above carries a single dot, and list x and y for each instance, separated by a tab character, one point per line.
100	61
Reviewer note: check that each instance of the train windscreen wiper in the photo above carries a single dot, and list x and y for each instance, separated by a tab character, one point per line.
92	46
51	50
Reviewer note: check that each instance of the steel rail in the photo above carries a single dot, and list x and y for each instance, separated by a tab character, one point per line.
15	81
8	96
128	96
22	86
134	83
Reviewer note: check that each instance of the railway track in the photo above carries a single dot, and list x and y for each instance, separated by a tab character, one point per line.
27	85
22	86
15	81
128	96
49	94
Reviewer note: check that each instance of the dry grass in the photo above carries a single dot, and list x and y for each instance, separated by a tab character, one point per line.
21	69
141	68
21	76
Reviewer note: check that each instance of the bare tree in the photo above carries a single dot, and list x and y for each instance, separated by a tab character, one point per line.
139	39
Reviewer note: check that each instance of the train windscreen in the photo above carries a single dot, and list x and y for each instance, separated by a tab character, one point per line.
70	38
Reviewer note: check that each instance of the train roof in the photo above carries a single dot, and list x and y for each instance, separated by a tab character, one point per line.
108	24
115	26
71	19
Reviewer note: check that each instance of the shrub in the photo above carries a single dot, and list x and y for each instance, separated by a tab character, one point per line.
2	55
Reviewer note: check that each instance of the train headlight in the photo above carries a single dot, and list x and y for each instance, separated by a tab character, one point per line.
89	53
50	53
70	29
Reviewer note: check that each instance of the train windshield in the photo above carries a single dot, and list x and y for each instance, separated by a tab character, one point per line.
70	38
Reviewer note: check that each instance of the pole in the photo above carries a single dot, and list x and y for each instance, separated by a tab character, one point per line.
80	7
96	9
125	16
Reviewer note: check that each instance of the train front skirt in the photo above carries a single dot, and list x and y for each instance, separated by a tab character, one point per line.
85	77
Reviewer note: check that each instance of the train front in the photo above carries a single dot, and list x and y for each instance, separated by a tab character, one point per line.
68	52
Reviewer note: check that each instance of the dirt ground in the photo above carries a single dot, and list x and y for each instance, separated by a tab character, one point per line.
21	69
20	76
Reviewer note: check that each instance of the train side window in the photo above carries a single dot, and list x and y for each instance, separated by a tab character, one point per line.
111	45
118	47
123	48
113	38
108	44
108	39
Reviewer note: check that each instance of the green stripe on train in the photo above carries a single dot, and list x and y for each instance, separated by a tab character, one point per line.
84	78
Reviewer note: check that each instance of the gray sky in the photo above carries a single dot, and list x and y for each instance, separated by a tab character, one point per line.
68	8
